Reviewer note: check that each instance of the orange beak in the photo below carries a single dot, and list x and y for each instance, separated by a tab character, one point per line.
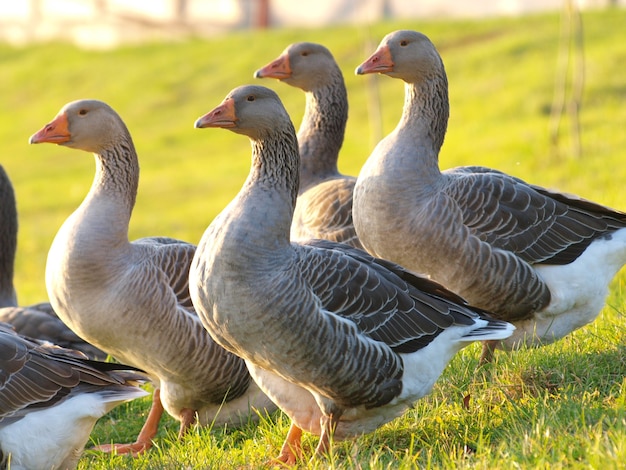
278	68
379	62
56	132
222	116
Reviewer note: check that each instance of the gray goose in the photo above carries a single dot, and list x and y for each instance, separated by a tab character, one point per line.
341	341
50	400
131	299
324	205
540	259
35	321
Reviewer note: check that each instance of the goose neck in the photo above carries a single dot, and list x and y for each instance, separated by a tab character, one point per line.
322	132
425	113
276	164
271	189
117	174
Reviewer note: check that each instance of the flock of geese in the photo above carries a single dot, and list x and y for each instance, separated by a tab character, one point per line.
339	300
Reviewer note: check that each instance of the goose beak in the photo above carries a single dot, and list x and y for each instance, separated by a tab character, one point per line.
379	62
221	116
56	132
279	69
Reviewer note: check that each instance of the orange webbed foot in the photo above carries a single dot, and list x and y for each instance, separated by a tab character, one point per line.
147	433
135	449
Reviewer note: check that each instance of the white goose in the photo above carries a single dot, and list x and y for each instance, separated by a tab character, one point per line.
131	299
341	341
540	259
50	400
37	321
324	206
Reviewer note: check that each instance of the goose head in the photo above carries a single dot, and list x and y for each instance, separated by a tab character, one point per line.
304	65
407	55
250	110
88	125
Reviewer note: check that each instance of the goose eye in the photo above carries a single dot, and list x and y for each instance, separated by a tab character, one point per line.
250	98
404	42
82	112
304	54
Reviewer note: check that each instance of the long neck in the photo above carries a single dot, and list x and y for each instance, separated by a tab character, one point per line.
114	186
424	120
322	131
272	185
8	240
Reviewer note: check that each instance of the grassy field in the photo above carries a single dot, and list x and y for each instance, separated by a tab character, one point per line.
563	406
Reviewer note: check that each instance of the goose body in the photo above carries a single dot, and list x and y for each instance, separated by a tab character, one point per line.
538	258
50	400
341	341
37	321
131	299
324	205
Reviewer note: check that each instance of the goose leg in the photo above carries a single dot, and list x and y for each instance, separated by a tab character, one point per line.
292	447
147	433
489	349
328	424
187	419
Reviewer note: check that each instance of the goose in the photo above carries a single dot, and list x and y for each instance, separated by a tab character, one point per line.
131	299
51	398
39	320
324	205
341	341
535	257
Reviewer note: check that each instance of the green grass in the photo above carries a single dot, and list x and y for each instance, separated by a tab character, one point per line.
562	406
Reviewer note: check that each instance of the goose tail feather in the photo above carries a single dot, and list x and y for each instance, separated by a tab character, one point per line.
492	330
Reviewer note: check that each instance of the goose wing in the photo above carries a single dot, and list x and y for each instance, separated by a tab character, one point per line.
172	258
40	321
385	301
324	211
35	375
538	225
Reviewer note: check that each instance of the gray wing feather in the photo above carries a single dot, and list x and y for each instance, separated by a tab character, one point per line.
538	225
41	322
385	301
35	375
174	258
325	212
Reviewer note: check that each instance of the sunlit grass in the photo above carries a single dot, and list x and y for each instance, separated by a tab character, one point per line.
562	406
